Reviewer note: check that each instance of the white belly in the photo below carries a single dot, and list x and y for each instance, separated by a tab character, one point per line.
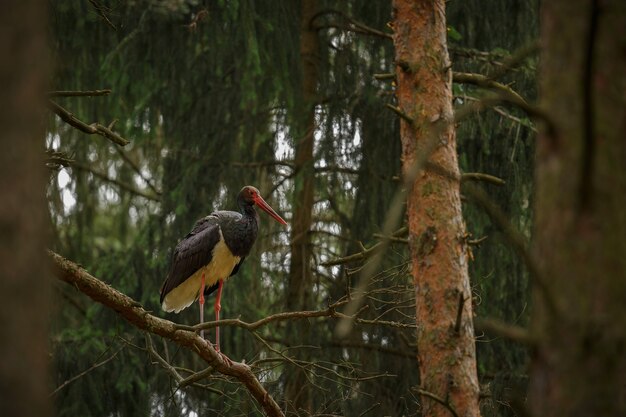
220	267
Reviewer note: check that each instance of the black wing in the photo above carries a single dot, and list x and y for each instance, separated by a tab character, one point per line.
210	290
192	253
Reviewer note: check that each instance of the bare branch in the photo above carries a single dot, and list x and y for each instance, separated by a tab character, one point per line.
102	11
132	312
517	241
505	330
437	399
524	122
329	312
90	93
55	159
92	129
137	169
400	113
365	254
387	76
477	176
486	82
105	177
85	372
350	25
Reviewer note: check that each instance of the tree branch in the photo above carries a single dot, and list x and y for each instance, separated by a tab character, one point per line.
477	176
137	169
508	331
104	177
92	129
351	25
132	312
486	82
329	312
438	399
366	253
90	93
85	372
400	113
518	243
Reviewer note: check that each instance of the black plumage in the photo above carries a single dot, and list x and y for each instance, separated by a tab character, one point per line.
195	250
213	251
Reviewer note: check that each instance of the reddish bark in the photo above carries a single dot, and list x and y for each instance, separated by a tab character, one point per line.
447	359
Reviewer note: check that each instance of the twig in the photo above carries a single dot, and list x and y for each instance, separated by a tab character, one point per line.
102	10
508	331
55	159
516	240
400	113
486	82
352	25
371	346
92	129
195	377
388	76
365	254
132	312
329	312
437	399
526	123
476	242
90	93
391	238
493	58
496	98
477	176
85	372
122	185
164	364
137	169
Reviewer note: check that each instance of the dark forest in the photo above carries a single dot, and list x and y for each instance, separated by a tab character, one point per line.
450	175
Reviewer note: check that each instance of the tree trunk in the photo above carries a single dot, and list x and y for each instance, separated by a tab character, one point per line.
24	284
579	365
446	350
297	391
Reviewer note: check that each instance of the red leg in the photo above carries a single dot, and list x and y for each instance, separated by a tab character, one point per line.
218	307
201	302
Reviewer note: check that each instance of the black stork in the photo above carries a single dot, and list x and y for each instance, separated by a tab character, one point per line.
211	253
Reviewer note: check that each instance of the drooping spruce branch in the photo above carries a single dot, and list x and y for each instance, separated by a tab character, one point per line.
124	186
134	313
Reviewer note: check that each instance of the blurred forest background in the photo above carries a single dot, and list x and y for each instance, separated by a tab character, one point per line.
212	95
209	95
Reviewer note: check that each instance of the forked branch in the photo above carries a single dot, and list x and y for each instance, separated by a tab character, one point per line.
132	312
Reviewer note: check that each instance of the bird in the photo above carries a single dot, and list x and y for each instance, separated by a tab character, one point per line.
211	253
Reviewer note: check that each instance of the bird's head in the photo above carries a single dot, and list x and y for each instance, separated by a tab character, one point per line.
250	196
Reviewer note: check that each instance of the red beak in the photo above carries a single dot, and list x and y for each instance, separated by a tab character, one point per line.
266	208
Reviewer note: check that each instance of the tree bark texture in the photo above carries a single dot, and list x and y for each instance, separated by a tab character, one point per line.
24	281
579	365
134	313
445	332
297	391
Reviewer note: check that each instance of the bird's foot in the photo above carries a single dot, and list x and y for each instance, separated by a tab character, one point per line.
226	358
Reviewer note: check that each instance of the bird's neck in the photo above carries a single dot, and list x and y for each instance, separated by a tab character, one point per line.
249	213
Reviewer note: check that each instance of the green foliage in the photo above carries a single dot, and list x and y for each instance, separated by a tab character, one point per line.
209	110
